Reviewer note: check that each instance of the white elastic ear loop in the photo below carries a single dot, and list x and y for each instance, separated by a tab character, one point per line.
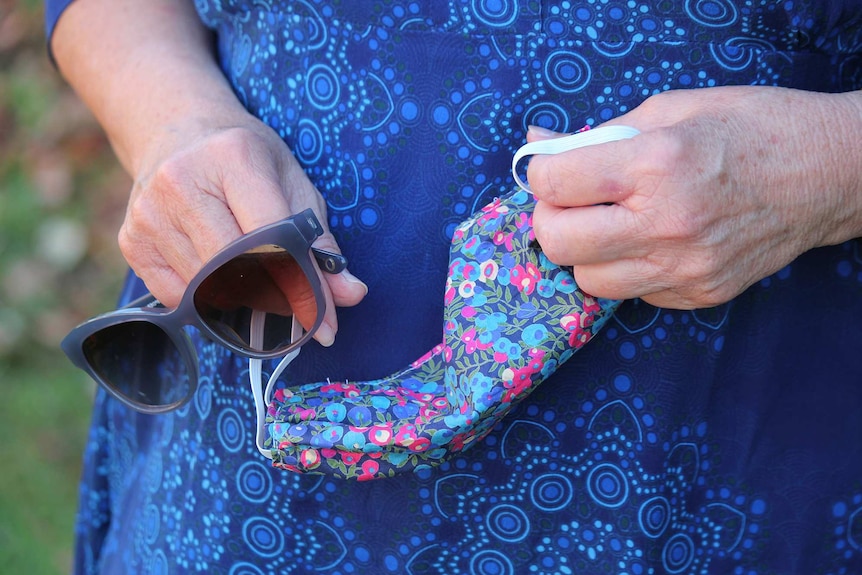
261	396
600	135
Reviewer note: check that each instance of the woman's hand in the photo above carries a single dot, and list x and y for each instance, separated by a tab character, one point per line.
205	182
723	187
205	171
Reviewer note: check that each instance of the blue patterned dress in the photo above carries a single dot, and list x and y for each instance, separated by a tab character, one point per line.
724	440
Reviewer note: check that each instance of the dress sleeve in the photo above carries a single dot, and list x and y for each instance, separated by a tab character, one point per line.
53	10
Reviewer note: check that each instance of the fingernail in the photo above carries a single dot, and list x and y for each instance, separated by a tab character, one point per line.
325	335
350	278
542	132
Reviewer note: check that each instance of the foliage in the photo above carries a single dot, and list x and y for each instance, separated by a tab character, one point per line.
62	197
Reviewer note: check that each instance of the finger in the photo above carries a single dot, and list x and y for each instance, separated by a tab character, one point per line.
601	173
345	288
538	133
620	279
294	287
670	299
182	214
162	280
158	252
588	235
260	187
255	190
267	184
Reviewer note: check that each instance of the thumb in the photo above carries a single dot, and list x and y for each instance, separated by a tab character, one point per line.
346	289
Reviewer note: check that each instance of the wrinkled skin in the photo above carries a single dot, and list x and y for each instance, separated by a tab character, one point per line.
722	188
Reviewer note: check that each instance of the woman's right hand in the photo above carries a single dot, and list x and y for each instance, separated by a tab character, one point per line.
204	182
205	171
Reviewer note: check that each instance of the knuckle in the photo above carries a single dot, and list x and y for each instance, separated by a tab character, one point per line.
664	154
126	243
237	145
171	175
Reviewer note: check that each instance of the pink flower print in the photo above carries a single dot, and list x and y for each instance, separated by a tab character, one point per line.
309	458
449	326
457	441
469	247
350	458
526	277
301	414
447	354
282	394
420	444
431	409
406	435
456	267
468	311
591	307
369	470
380	434
428	355
467	289
518	379
472	341
573	323
492	211
345	389
503	239
523	219
469	339
449	295
537	359
492	206
470	271
488	270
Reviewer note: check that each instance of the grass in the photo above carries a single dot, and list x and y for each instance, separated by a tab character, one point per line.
43	421
62	197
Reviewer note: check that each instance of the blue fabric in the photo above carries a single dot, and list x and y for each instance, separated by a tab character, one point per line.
725	440
53	10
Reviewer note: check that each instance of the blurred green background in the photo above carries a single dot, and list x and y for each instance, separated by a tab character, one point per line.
62	198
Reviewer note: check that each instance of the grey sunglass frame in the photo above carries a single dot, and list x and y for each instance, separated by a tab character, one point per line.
295	234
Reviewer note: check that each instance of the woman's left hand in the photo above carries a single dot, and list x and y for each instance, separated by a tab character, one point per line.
723	187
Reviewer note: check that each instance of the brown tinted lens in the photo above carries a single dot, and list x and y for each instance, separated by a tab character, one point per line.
265	279
139	361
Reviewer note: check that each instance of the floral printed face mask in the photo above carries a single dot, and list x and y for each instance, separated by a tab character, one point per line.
511	318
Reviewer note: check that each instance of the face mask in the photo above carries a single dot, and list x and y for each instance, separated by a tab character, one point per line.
511	318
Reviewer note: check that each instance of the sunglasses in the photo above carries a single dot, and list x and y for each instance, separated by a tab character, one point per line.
260	297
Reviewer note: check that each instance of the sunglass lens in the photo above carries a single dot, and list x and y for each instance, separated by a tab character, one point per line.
141	363
266	279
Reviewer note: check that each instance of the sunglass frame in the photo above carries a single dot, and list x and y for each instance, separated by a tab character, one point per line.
295	234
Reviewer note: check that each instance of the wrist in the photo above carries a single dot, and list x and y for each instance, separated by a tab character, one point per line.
844	129
143	68
838	172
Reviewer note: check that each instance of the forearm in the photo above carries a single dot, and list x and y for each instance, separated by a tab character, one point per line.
142	67
839	165
808	154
